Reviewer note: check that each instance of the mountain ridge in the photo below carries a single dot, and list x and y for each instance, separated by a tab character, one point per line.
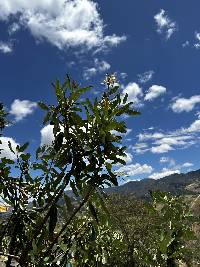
176	184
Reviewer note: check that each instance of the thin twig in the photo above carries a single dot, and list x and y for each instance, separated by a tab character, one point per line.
9	255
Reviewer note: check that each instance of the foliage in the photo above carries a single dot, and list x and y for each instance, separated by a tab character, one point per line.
157	233
3	120
47	227
81	156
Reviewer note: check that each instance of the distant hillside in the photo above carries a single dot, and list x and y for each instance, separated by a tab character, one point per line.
176	184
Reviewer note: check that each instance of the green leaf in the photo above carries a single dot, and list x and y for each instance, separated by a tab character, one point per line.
10	147
43	106
165	241
23	147
53	217
7	161
125	98
58	141
132	112
93	211
47	117
68	202
25	157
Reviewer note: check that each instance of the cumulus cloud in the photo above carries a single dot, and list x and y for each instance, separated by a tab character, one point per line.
47	136
63	23
135	169
5	151
154	92
22	108
5	48
100	66
134	92
197	44
185	104
165	24
146	76
165	172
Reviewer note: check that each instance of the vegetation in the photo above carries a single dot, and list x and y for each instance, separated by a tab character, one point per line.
90	229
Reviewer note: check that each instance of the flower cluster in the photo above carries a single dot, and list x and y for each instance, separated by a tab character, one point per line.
110	79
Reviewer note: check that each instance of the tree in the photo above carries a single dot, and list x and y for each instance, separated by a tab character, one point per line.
84	150
156	233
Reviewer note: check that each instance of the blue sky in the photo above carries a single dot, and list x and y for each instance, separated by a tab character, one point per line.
154	48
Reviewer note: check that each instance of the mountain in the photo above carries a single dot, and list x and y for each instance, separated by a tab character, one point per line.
176	184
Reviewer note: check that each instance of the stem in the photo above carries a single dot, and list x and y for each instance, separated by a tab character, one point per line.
69	220
9	255
40	227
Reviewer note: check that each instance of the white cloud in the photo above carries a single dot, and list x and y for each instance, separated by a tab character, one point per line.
13	28
187	165
146	76
63	23
198	114
163	142
47	136
168	160
135	169
164	159
5	47
99	67
140	148
134	92
185	104
21	108
197	44
163	148
165	24
154	92
165	172
128	158
123	75
128	131
185	44
147	136
194	127
5	150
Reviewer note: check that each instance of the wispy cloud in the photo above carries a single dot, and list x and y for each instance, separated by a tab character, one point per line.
165	24
99	66
22	108
163	142
146	76
64	24
13	28
186	44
